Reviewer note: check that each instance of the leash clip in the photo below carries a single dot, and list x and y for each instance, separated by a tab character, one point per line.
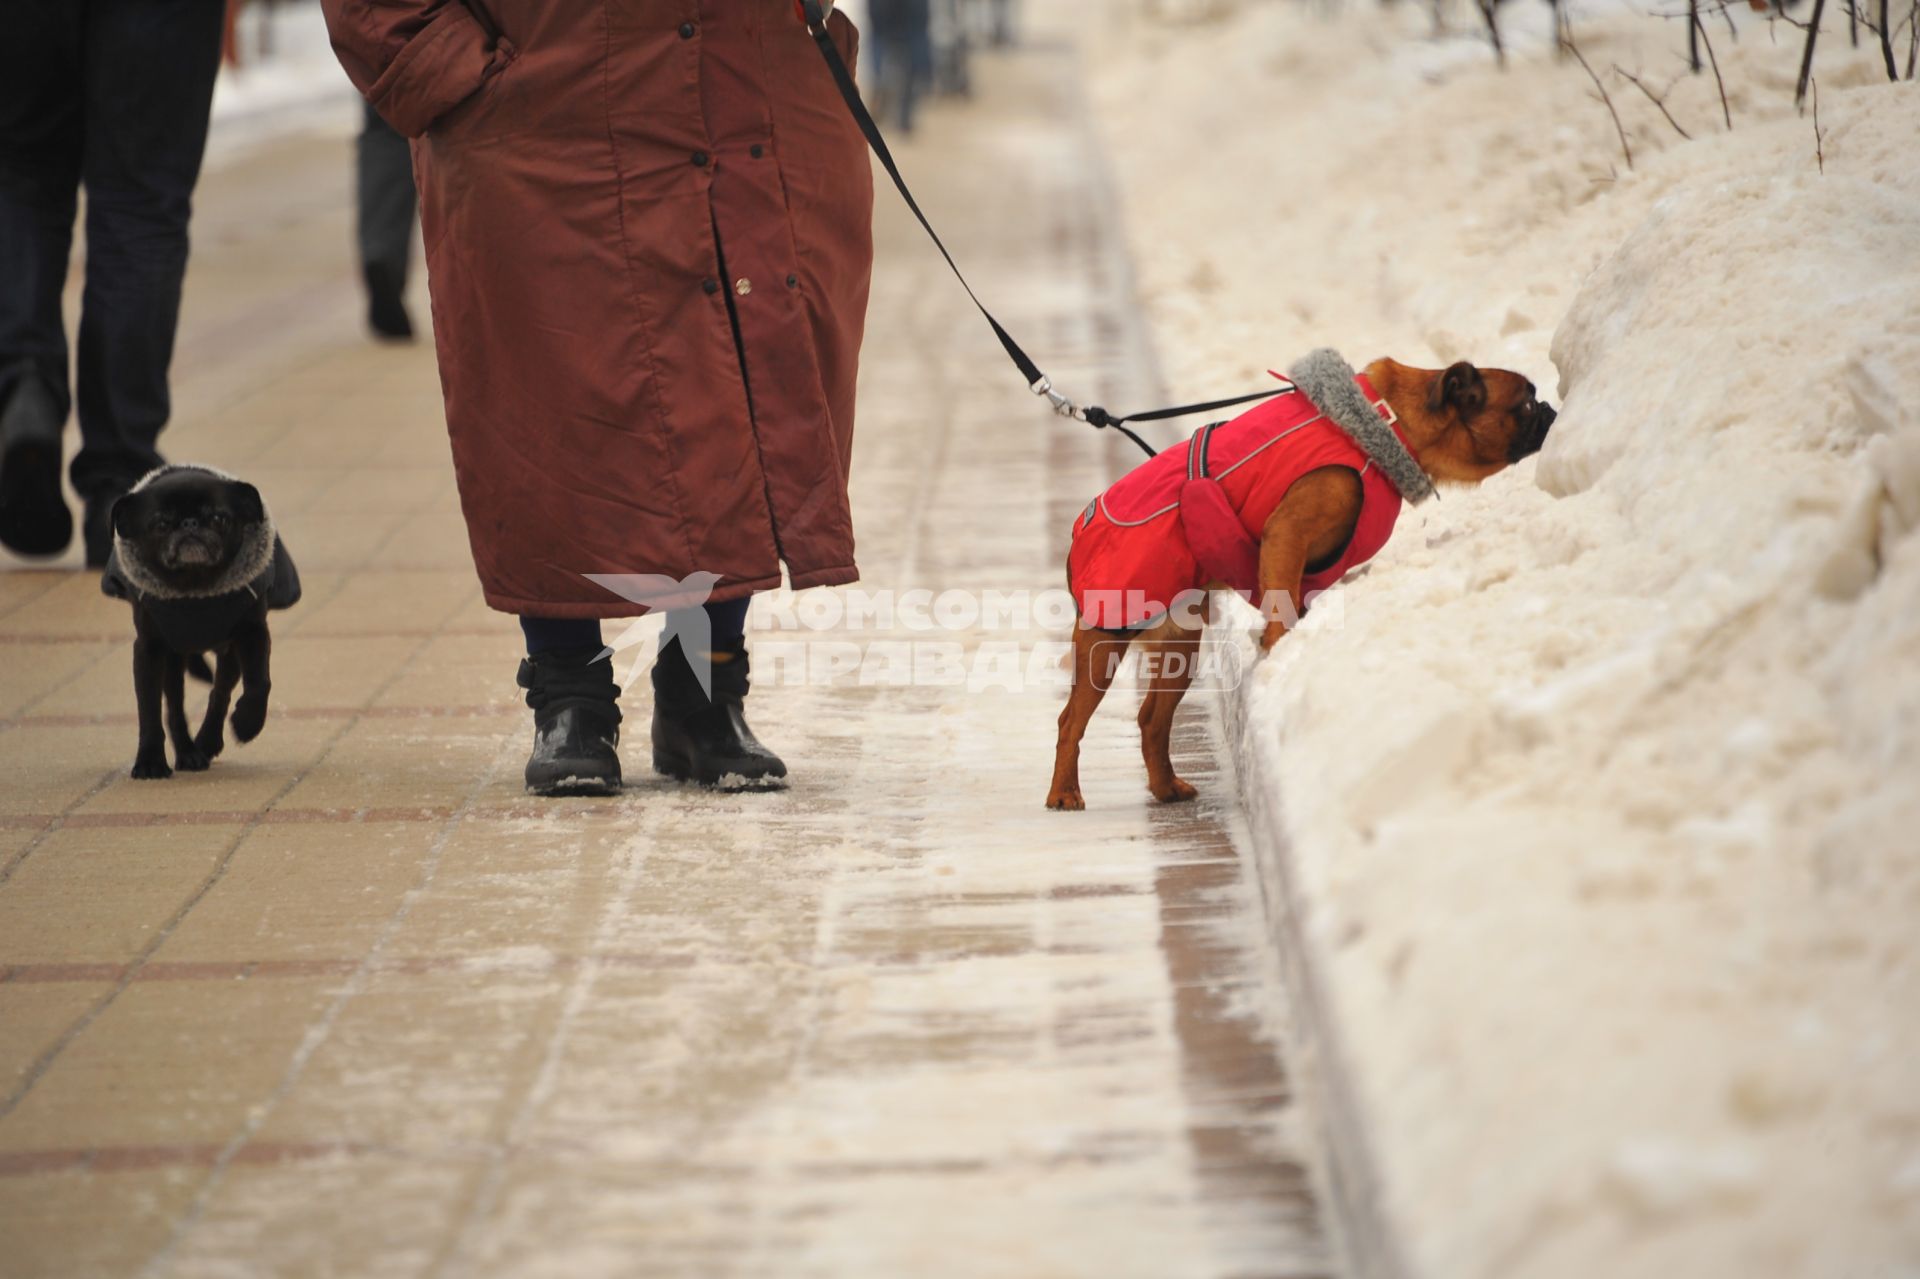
1061	404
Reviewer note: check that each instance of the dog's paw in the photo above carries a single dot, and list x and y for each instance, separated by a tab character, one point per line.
249	717
1176	792
210	742
191	760
151	766
1066	800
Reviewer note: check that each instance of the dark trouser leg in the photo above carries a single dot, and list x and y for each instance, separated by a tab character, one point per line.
386	224
385	173
919	55
41	140
729	622
149	71
562	635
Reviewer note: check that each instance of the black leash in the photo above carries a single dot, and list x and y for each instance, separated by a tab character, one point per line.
1037	382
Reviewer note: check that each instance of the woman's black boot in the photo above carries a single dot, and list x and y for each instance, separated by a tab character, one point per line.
706	739
576	724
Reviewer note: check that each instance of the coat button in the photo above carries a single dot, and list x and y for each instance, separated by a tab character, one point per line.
756	151
743	286
711	286
699	159
793	281
686	31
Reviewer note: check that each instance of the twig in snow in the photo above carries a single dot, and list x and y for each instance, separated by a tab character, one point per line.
1658	100
1693	36
1819	148
1568	44
1886	41
1720	84
1853	23
1493	30
1806	58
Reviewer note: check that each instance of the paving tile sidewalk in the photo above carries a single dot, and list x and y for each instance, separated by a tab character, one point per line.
351	1003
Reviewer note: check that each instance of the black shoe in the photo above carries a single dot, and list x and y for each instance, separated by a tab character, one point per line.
96	527
706	740
386	312
34	519
576	724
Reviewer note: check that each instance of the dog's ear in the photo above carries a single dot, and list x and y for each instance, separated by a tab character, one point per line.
129	514
1460	388
247	504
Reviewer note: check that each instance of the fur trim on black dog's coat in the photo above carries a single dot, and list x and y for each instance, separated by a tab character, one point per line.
253	558
1327	380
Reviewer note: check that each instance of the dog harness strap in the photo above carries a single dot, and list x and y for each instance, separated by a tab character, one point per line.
1199	450
814	13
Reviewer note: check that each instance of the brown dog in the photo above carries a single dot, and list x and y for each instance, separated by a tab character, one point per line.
1319	478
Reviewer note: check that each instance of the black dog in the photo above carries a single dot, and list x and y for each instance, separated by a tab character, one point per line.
195	553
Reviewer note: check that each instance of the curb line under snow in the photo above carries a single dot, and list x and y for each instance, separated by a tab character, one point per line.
1316	1055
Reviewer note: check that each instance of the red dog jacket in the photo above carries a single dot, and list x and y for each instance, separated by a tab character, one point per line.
1194	514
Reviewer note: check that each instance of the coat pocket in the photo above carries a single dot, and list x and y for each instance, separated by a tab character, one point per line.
466	117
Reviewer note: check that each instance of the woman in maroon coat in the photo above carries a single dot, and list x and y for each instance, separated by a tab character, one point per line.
648	237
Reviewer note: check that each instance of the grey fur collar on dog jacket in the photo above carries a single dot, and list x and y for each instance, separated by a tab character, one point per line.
1328	380
261	567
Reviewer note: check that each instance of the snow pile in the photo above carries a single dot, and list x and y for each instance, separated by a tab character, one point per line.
1601	788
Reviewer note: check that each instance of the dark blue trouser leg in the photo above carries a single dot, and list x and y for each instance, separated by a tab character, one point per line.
42	136
577	634
729	621
386	197
561	634
149	72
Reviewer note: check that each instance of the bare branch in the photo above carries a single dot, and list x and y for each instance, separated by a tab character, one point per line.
1568	44
1819	147
1493	30
1886	41
1806	58
1725	112
1658	100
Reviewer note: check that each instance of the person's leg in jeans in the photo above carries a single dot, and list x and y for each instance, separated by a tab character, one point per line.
41	140
385	184
149	72
917	51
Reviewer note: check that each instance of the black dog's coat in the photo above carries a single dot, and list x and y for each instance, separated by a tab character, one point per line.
195	553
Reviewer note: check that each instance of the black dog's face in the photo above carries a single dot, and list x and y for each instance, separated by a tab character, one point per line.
187	527
1532	419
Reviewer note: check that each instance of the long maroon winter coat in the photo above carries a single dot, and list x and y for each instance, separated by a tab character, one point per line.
648	234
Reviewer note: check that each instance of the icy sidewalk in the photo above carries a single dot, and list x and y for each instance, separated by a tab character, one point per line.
350	1003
